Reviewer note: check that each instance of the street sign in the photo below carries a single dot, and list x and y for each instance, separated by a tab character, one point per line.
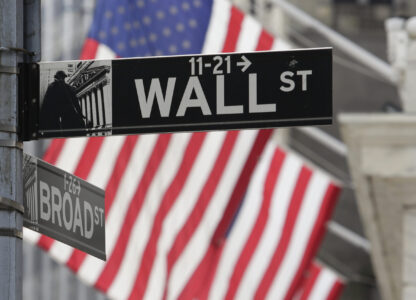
183	93
63	206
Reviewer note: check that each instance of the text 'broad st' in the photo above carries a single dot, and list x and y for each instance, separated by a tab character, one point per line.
63	206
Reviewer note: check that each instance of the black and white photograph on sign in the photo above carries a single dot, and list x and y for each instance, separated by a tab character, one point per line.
76	95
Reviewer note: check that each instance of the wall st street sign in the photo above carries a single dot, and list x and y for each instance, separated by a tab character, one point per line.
180	93
63	206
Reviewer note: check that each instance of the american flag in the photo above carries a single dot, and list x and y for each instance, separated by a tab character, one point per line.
218	215
320	283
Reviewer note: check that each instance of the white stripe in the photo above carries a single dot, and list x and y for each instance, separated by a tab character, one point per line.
323	285
71	154
200	241
249	35
60	252
104	52
311	206
126	275
218	27
30	236
182	208
92	267
281	198
280	44
68	160
105	161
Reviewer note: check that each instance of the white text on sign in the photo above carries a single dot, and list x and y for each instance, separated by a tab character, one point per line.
194	95
65	209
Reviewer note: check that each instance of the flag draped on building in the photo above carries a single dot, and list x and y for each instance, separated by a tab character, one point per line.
218	215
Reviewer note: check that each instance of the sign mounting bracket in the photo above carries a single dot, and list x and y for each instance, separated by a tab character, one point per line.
28	101
8	204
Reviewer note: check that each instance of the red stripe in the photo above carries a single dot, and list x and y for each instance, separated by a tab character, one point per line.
199	284
312	275
113	264
168	200
265	41
89	50
88	157
336	290
45	242
54	150
290	221
241	185
234	28
118	171
316	236
261	221
204	199
206	269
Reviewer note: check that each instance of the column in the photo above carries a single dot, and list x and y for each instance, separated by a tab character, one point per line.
91	108
95	91
102	103
83	106
382	161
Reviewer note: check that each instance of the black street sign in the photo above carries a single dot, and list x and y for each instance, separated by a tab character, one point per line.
63	206
183	93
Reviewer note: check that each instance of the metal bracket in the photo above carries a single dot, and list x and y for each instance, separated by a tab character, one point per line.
11	232
11	144
28	101
9	70
8	128
14	49
8	204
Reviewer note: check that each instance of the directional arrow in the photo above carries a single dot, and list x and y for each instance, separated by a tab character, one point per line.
245	63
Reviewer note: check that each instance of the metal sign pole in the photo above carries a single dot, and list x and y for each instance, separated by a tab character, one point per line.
11	216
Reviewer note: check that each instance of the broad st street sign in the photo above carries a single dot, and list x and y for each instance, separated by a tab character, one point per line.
181	93
63	206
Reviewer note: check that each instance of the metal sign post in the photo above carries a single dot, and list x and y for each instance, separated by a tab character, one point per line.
19	41
180	93
11	36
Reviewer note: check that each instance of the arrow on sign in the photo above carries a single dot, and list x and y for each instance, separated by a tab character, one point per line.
245	63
